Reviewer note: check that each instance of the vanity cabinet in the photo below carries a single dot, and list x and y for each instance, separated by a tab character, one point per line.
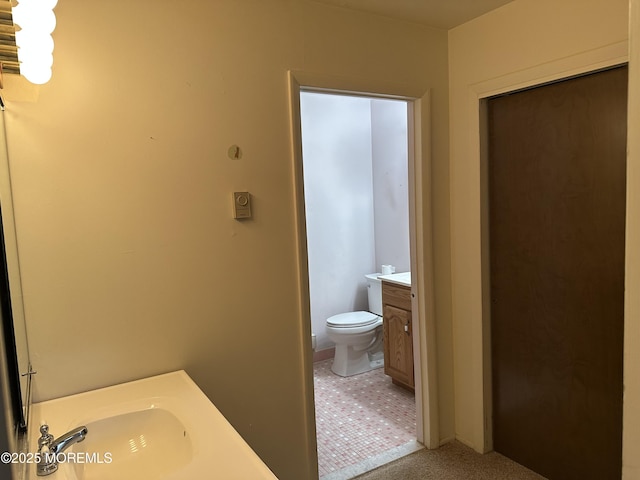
398	338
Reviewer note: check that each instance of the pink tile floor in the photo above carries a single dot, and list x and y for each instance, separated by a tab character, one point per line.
359	417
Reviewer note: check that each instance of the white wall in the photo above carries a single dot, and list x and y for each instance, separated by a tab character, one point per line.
356	199
336	148
390	183
524	43
130	257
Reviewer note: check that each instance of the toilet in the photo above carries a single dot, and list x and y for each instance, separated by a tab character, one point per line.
358	335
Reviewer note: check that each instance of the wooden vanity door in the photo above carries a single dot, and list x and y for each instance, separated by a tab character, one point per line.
398	345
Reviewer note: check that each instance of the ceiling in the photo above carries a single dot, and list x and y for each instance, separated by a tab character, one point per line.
435	13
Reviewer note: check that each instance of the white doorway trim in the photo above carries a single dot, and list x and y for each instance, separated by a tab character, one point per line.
420	221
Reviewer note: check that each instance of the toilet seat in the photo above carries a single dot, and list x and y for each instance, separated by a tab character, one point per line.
352	319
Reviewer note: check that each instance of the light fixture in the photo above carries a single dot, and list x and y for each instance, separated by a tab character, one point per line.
34	41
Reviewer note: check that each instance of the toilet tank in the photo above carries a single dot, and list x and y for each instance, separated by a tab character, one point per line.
374	289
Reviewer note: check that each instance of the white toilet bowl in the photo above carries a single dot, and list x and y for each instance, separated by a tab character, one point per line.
358	335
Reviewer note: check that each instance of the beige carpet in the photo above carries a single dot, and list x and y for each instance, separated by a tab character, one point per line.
453	461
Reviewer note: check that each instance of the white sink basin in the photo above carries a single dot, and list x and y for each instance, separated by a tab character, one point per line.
146	444
158	428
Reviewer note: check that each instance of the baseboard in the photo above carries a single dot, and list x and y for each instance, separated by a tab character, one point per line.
444	441
324	354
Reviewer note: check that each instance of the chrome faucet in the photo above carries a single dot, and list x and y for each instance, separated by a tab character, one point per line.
48	447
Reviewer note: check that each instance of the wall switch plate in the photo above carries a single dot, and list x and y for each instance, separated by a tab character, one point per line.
241	205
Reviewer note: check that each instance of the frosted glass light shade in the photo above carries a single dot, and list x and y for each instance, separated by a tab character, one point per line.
29	41
37	58
48	4
34	41
45	4
32	17
35	74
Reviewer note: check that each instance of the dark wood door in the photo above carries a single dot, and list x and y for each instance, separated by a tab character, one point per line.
557	174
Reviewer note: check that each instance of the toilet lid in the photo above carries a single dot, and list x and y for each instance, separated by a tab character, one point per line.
352	319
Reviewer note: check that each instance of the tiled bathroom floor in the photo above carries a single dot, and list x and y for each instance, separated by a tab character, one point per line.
359	417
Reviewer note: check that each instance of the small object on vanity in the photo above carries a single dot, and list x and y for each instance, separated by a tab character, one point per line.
388	269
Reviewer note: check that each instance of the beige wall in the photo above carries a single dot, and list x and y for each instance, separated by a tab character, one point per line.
631	433
131	262
523	43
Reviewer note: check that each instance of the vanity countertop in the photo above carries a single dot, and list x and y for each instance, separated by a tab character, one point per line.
182	434
403	278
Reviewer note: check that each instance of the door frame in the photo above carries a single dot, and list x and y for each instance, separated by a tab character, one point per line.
420	226
591	61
